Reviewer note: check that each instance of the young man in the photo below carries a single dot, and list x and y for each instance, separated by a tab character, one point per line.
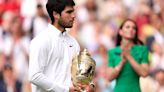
51	52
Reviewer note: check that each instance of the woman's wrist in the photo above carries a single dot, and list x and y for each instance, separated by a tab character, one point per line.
129	57
118	68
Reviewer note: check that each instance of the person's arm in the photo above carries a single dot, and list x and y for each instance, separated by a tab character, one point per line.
113	71
143	68
37	63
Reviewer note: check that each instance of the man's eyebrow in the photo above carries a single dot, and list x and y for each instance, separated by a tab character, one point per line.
69	11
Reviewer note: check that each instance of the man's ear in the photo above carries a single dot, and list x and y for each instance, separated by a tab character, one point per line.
56	15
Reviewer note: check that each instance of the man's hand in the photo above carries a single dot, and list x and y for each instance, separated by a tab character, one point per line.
80	88
74	89
90	88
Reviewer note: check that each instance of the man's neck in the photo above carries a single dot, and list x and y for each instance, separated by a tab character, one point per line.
61	29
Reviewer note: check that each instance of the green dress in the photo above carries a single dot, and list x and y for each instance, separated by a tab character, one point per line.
128	79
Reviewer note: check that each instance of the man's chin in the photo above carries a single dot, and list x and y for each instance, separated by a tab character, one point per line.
68	26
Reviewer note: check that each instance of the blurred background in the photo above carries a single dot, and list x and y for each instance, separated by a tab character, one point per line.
95	28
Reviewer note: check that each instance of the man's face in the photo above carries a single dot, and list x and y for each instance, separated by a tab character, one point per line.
67	17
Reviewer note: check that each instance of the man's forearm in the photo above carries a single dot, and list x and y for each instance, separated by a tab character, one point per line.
43	82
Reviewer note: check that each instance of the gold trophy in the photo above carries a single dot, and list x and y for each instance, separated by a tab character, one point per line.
82	69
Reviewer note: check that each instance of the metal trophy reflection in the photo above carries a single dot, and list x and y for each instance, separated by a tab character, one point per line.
82	69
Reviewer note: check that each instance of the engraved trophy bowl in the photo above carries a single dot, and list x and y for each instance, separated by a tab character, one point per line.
82	68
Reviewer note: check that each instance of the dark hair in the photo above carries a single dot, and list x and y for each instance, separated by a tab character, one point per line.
136	40
57	6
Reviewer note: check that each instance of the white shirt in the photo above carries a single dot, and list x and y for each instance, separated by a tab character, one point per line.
51	54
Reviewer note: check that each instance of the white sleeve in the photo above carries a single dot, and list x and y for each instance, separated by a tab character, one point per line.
37	63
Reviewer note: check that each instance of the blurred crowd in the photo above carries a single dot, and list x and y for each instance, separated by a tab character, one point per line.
95	28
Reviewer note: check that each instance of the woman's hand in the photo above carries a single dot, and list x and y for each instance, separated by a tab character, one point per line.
126	52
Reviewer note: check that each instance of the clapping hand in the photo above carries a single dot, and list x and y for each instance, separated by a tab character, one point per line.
126	51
